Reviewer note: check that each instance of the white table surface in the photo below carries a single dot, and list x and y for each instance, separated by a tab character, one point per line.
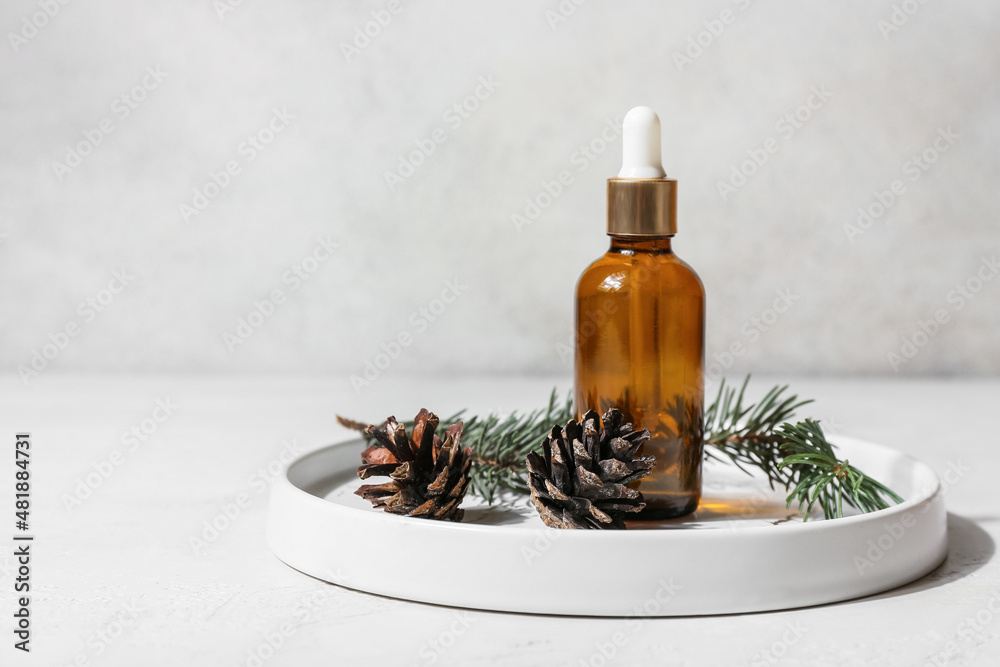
117	581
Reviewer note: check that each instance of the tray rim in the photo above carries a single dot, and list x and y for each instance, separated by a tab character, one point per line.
318	536
907	505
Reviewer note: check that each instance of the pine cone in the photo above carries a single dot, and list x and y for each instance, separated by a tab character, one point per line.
429	477
579	480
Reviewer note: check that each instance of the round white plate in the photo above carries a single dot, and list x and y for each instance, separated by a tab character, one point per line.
742	551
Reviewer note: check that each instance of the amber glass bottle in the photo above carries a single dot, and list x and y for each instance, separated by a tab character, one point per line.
640	331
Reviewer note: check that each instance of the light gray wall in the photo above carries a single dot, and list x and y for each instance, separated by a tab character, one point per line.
885	98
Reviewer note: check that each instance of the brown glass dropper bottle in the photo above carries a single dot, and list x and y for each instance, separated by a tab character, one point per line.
640	325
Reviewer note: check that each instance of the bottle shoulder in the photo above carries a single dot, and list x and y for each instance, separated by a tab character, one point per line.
616	272
691	274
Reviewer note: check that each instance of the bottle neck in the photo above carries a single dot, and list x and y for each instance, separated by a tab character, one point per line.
631	245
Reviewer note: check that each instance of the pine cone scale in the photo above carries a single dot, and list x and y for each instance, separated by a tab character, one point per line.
378	490
424	426
429	477
404	472
403	451
580	478
375	470
439	484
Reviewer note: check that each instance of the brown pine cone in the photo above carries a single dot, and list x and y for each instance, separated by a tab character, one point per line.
580	478
429	477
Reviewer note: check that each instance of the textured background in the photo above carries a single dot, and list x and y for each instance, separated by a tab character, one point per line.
556	85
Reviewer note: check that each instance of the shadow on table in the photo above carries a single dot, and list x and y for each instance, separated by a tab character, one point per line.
969	548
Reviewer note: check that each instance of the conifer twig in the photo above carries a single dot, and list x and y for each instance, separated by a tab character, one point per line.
752	436
744	433
501	444
820	478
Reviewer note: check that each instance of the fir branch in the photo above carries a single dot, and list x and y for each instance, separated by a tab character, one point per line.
796	457
820	478
753	436
745	433
501	444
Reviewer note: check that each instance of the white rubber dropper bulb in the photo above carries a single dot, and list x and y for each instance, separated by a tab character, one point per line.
641	145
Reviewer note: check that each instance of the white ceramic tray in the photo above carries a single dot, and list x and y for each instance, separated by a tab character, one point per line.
742	551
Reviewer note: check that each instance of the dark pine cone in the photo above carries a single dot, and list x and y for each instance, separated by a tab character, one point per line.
579	480
429	477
